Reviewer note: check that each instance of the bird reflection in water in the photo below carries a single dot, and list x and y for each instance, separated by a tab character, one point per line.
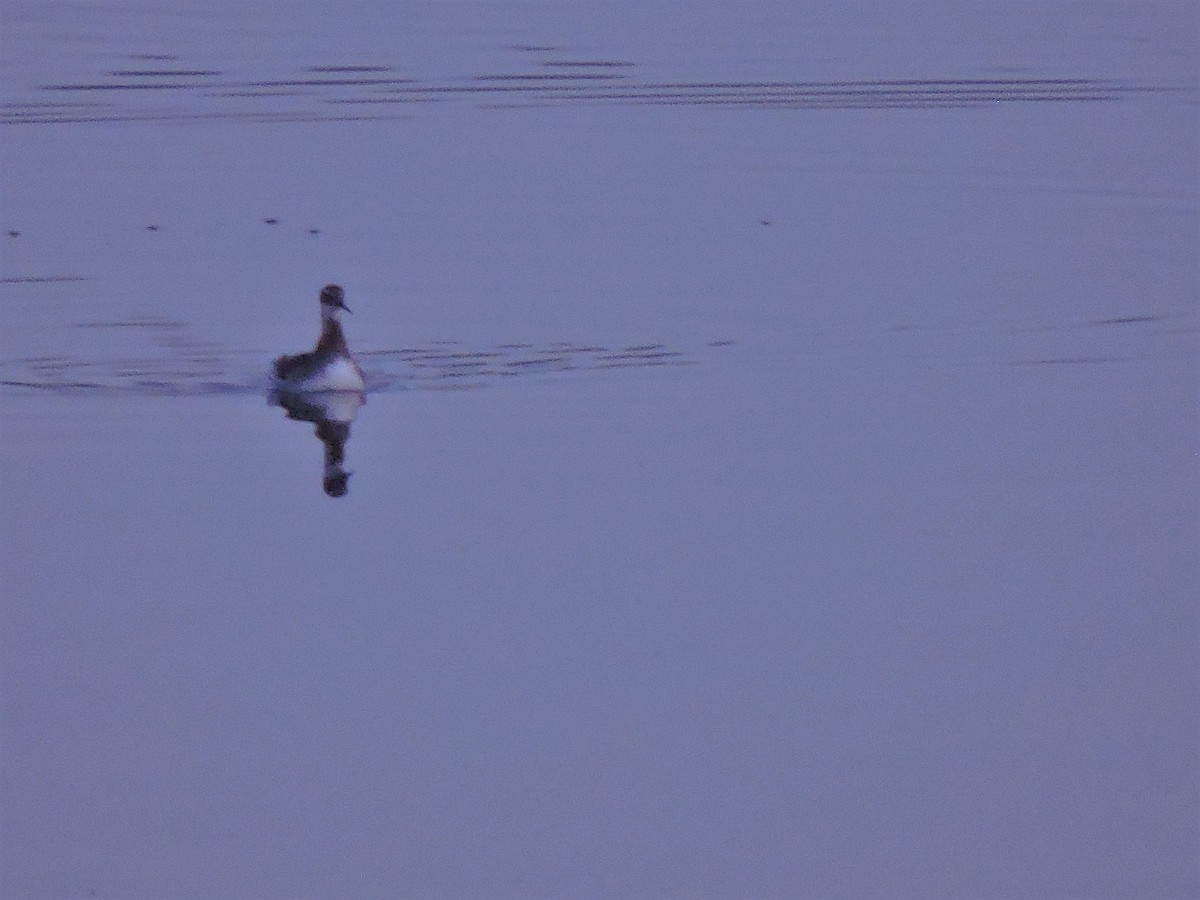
332	412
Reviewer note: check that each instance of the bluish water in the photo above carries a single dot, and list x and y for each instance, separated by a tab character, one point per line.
777	475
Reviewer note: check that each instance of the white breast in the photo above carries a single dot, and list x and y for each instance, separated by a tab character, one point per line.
336	375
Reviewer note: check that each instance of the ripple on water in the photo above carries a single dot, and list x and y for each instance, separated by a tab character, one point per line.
305	93
199	370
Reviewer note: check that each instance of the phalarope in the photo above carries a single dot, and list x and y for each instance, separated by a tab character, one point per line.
329	367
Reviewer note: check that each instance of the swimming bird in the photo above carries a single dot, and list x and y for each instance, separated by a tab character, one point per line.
329	367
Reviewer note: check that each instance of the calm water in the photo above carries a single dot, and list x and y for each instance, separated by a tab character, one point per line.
777	476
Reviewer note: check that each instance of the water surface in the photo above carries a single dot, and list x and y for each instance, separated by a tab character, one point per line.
777	475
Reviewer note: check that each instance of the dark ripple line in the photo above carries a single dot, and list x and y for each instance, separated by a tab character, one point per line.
1129	320
588	64
829	100
1067	361
163	73
53	104
538	77
179	86
902	82
320	82
122	86
350	69
873	90
263	118
134	323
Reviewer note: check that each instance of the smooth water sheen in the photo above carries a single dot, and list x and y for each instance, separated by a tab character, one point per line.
777	476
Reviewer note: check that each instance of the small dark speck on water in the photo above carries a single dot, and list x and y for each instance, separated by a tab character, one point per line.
14	234
152	228
271	221
314	231
764	221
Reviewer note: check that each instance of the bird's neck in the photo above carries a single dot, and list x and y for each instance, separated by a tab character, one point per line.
331	335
